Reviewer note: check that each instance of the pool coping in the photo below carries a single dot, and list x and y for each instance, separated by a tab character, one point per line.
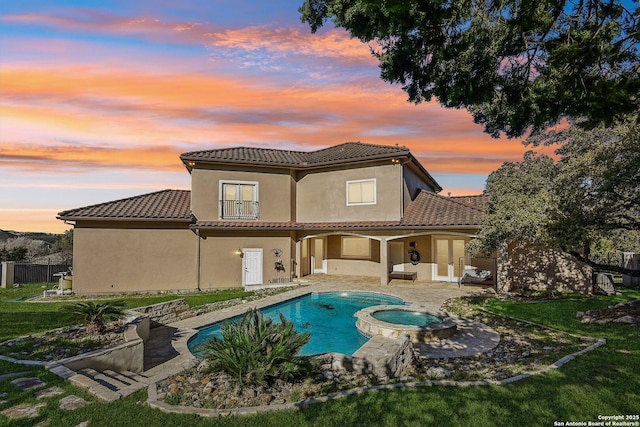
368	324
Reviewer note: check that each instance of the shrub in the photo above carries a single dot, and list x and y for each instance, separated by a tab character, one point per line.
256	350
94	315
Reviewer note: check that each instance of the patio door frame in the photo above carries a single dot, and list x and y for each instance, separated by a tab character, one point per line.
313	248
452	257
396	256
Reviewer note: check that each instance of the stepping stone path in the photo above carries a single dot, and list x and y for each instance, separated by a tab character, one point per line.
71	402
50	392
27	383
23	410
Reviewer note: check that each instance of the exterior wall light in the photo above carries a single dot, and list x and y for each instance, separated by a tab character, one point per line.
240	253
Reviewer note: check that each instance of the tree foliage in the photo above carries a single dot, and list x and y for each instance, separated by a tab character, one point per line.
515	65
64	245
587	202
22	249
520	195
18	253
256	350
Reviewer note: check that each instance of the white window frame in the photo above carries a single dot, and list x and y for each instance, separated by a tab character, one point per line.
223	182
342	254
375	190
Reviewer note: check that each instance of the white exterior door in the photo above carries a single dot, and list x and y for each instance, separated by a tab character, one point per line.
252	266
449	252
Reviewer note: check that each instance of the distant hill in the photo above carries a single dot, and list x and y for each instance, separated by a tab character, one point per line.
6	235
31	235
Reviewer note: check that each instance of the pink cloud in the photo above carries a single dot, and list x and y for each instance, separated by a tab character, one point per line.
334	44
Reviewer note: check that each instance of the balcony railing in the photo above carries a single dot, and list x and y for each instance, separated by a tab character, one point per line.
239	209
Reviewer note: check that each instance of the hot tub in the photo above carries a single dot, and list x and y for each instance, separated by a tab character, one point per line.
395	321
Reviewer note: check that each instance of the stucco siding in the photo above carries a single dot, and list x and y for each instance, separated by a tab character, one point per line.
274	193
321	196
111	260
221	263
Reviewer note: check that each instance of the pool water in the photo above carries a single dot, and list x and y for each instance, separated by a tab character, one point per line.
404	317
328	317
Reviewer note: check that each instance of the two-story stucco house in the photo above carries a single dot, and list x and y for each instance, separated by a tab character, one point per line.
255	216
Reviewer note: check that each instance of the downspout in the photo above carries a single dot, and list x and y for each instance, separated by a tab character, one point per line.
198	261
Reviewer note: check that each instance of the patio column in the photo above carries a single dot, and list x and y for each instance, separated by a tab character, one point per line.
384	262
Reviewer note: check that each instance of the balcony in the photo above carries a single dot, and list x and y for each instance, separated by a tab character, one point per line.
239	209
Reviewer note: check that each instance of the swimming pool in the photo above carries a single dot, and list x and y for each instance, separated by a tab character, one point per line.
328	317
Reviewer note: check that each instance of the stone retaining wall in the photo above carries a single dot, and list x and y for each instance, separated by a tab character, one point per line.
165	312
526	268
380	356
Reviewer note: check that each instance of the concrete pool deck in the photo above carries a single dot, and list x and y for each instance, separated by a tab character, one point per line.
167	354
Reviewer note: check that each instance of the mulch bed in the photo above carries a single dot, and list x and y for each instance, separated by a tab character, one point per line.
62	343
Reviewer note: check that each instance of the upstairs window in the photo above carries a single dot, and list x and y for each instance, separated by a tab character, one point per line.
239	200
361	192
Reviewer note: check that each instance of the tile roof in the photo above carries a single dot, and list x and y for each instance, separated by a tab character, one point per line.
478	201
290	225
430	209
348	152
171	205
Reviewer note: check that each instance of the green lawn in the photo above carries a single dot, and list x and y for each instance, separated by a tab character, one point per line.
18	317
605	381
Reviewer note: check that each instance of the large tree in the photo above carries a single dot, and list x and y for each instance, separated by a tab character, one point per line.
516	65
586	202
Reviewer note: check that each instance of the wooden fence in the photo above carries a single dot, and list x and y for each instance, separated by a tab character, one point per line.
37	273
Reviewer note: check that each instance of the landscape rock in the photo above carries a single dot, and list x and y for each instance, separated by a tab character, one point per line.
71	402
23	410
630	320
625	312
27	383
50	392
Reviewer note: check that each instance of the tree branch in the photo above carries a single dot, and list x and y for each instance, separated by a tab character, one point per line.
604	267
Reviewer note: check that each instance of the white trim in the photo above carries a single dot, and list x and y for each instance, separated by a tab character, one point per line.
375	191
221	184
450	277
244	266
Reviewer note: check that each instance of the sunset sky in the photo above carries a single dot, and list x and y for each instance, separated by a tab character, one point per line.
99	98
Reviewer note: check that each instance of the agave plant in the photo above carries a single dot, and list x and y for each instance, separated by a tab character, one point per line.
94	316
256	350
